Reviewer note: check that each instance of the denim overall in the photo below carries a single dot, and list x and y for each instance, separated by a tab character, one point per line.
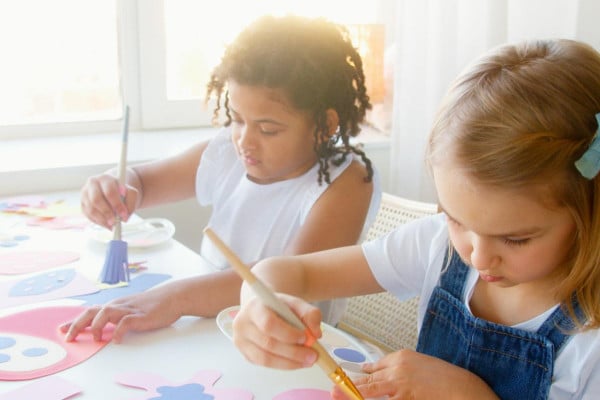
515	363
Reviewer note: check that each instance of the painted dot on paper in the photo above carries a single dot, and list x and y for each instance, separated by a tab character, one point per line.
35	352
30	353
6	342
350	355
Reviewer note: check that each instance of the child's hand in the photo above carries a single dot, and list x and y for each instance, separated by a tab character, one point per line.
145	311
266	339
407	374
102	198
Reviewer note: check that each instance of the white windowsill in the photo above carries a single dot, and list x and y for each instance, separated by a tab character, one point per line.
63	163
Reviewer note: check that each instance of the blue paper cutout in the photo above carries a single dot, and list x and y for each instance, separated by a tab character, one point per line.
43	283
190	391
136	285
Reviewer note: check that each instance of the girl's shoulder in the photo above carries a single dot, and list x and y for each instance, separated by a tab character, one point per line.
577	367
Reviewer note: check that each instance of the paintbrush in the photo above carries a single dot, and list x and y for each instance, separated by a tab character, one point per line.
115	269
325	361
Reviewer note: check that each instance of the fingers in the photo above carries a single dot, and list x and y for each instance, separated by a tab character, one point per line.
95	320
266	339
309	314
102	198
75	327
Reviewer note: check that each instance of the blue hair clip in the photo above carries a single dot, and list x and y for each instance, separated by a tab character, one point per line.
589	163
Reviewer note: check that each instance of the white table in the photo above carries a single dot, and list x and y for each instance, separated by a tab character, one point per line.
177	352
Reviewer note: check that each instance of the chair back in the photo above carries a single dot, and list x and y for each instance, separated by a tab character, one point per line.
382	319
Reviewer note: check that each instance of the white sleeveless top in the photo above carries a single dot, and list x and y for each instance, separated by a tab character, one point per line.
258	221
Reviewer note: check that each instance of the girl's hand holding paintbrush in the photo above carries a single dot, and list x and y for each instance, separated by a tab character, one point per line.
102	198
267	339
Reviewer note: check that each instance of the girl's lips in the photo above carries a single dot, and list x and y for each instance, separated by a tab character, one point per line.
249	160
490	278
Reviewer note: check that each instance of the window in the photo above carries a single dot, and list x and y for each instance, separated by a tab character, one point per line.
70	65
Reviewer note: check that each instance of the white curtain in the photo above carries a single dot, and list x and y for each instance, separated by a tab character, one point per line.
436	39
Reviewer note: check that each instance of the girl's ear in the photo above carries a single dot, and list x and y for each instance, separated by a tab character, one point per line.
333	121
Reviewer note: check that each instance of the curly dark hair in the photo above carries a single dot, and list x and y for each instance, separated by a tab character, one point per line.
314	62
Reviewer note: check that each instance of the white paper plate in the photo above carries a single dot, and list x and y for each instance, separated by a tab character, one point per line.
349	352
145	233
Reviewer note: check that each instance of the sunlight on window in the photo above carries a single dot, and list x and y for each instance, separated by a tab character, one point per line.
55	67
196	35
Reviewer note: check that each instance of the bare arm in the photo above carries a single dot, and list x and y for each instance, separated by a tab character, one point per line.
169	179
148	184
338	216
203	295
339	272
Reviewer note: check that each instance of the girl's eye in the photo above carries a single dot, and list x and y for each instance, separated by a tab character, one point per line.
515	242
267	129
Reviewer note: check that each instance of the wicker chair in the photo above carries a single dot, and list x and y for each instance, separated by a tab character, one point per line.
381	319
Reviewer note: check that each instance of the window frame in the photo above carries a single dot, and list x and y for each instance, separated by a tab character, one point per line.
141	48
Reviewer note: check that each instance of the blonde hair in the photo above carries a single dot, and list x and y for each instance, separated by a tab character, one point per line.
521	116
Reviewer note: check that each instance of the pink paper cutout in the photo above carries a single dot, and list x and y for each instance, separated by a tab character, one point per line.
23	262
49	388
304	394
54	285
200	387
40	326
64	222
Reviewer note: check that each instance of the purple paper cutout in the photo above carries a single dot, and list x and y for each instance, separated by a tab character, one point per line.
15	292
136	285
43	283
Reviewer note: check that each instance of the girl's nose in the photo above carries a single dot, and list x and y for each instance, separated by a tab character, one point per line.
245	138
483	254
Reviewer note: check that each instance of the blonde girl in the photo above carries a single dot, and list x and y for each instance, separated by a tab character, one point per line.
509	273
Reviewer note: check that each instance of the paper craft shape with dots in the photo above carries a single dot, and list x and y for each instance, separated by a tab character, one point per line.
45	286
32	346
200	387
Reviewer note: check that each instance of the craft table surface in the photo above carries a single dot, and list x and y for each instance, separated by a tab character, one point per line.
176	353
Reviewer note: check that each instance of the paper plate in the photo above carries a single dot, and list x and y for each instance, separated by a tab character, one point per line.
345	349
146	233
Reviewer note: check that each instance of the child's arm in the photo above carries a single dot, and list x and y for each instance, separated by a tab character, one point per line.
266	339
148	184
338	216
203	295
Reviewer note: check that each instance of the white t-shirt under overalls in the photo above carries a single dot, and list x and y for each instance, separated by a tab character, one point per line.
408	262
